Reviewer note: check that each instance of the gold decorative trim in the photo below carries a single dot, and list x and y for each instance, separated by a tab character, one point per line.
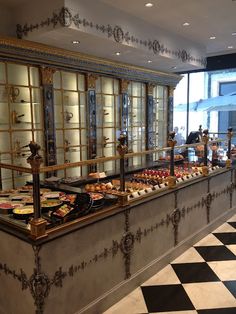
124	84
91	81
47	75
38	47
171	91
150	88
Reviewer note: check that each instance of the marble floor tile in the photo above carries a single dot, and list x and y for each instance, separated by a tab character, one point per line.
190	256
224	228
225	270
233	218
166	298
209	295
133	303
230	310
166	276
210	239
232	248
226	237
231	286
194	272
215	253
233	224
177	312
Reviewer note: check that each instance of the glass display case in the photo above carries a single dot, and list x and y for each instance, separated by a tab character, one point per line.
108	120
160	95
70	120
20	117
59	202
137	120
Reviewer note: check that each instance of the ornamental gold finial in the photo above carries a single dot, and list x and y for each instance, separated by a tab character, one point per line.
171	139
122	148
205	136
230	133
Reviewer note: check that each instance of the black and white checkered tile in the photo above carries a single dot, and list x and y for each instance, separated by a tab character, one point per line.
202	280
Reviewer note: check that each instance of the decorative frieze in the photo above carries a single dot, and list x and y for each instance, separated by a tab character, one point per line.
66	18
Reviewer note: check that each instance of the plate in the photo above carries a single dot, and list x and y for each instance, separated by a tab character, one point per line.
23	212
63	211
51	204
17	197
53	194
5	205
6	193
96	196
28	200
68	198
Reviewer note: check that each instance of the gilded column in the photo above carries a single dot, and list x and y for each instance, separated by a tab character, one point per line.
205	139
38	224
229	135
171	143
170	109
49	121
91	122
124	110
150	132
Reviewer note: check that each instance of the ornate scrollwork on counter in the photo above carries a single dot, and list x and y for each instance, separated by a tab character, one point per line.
39	283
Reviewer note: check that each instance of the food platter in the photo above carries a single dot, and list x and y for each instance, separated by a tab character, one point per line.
53	195
63	211
50	204
23	212
17	197
68	198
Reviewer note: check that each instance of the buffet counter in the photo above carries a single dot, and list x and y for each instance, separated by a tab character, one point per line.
83	248
85	265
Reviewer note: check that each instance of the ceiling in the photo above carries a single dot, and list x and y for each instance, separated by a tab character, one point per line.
206	18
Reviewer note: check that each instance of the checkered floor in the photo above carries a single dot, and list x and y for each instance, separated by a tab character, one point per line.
202	280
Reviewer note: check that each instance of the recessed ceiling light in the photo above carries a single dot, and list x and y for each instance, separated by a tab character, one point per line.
149	61
149	5
118	53
75	42
230	47
186	24
174	67
213	37
234	34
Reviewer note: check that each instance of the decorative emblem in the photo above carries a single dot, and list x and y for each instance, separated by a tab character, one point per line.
39	284
156	46
118	34
209	200
65	17
184	55
127	243
175	217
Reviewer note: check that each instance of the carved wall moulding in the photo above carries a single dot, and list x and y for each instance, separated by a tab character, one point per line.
47	75
66	18
14	49
91	81
124	84
150	88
